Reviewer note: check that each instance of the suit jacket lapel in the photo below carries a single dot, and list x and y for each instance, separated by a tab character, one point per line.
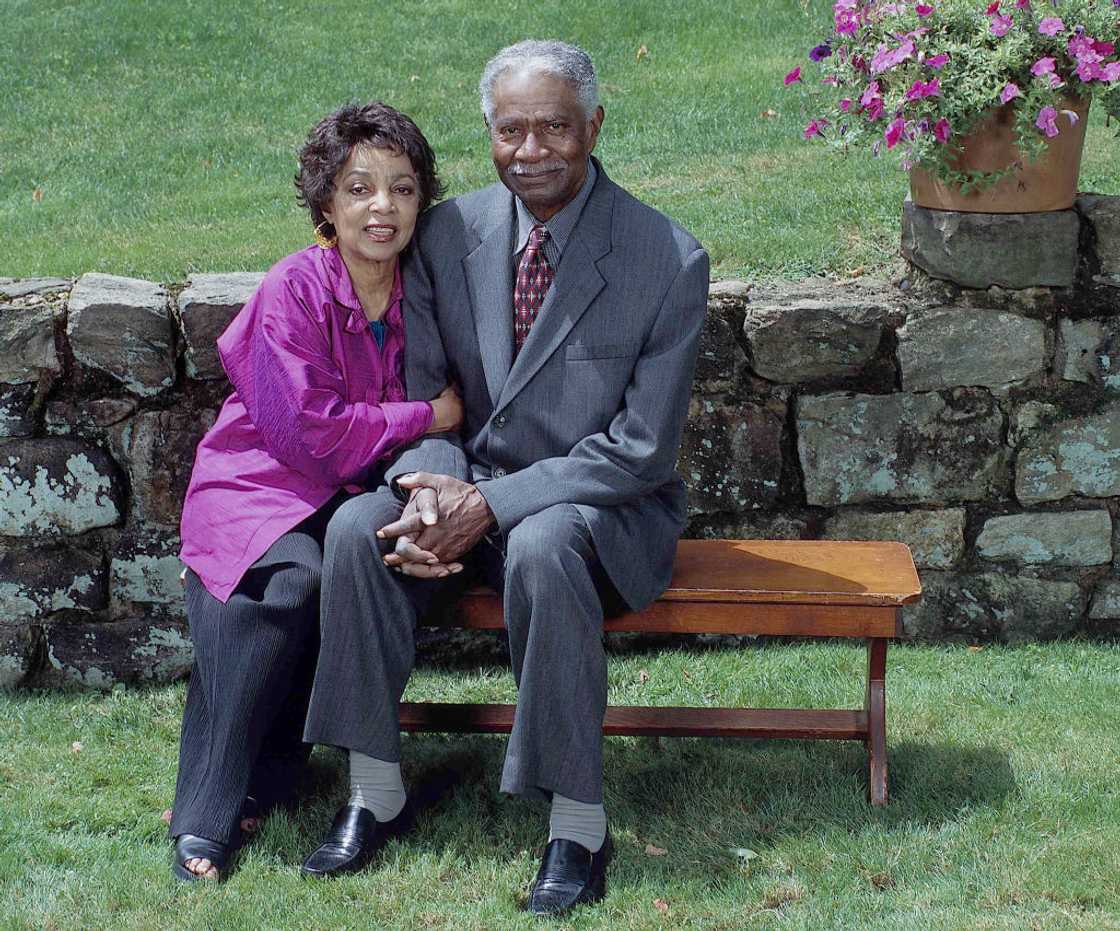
576	283
489	271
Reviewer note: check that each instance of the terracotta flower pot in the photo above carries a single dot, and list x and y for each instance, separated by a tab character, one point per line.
1050	183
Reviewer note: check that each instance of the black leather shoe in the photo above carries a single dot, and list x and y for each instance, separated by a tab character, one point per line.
354	838
570	875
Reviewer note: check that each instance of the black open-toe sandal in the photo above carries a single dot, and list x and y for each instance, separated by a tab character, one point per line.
192	847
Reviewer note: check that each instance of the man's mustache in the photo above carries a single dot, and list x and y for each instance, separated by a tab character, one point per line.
537	168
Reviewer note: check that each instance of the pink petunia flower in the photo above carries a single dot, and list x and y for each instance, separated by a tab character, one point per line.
937	62
885	59
845	16
1089	70
815	128
1111	71
793	77
1022	4
1047	121
1081	45
1043	66
1103	48
920	89
941	130
1001	25
1051	26
992	8
894	132
923	10
846	104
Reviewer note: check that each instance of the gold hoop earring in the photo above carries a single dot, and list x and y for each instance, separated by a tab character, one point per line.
321	240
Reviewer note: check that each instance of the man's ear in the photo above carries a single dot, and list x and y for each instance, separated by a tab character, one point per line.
594	124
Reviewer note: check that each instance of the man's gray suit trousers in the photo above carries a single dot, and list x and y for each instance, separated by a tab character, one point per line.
551	583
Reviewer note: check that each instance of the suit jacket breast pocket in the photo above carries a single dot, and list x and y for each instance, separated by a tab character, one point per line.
586	352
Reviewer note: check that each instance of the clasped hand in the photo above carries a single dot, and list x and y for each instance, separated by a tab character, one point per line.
443	519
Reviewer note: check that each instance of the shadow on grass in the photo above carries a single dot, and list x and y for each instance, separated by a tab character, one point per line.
702	800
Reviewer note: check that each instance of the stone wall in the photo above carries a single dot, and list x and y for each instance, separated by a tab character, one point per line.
977	422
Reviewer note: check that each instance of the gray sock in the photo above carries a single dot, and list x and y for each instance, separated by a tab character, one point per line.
376	785
578	821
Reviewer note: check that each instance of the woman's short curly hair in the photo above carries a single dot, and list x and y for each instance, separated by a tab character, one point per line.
333	138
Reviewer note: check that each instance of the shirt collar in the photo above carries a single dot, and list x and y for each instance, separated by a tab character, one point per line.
342	289
560	226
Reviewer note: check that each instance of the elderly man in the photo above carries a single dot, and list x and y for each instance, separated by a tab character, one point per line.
569	313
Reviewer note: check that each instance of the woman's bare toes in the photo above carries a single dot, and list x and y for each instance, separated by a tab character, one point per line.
202	868
166	816
250	825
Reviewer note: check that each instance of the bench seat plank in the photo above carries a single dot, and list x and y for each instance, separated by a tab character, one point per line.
481	610
832	572
807	723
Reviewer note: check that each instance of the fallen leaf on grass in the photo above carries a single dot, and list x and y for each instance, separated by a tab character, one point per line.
881	880
414	78
768	114
975	649
37	195
643	676
652	851
856	272
661	905
744	854
643	52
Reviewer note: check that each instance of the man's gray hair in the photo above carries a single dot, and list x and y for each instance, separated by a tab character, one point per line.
569	62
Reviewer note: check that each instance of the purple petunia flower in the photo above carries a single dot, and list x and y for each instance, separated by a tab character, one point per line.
941	130
937	62
1043	66
820	52
1051	26
846	104
793	77
923	9
1047	121
1022	4
1111	71
1009	92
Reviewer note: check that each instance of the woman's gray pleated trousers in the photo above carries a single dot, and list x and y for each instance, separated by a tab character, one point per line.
254	663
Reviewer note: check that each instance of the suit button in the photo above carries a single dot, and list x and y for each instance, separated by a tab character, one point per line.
499	421
499	472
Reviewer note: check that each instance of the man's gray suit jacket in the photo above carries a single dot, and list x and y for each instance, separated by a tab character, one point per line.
591	411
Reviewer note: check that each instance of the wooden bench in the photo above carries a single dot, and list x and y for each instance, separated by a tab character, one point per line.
797	588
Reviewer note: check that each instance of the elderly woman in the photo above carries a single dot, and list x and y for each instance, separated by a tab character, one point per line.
315	362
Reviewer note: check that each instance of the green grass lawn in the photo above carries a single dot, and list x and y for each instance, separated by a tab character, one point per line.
1005	810
162	134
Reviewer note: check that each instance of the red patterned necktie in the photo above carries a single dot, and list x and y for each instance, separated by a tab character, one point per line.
534	277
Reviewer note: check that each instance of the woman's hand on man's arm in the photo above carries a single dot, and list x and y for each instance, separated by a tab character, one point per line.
447	411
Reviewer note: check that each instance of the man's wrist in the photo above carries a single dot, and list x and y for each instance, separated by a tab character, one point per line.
478	500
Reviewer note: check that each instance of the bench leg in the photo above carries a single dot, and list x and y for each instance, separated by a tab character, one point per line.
875	706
